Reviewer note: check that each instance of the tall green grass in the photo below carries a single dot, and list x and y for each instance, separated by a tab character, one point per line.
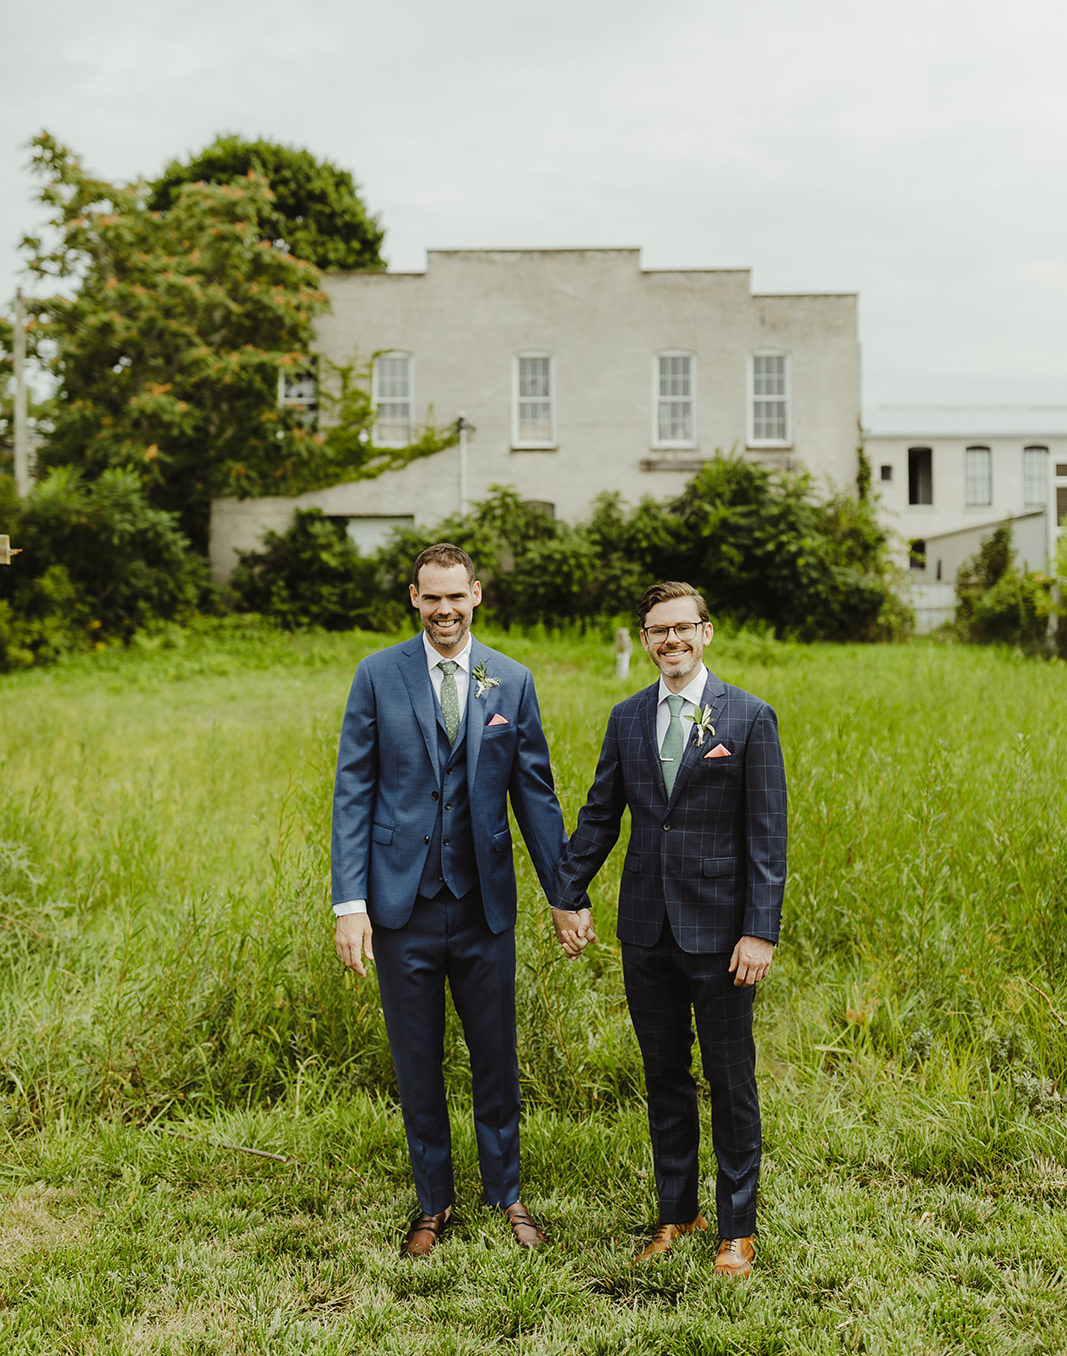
168	987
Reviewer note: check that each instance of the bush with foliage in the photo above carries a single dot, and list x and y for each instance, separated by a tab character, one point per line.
311	575
760	546
97	563
996	603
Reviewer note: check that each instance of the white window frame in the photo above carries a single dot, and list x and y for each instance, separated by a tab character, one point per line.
290	395
1035	484
378	401
974	481
786	398
517	400
659	400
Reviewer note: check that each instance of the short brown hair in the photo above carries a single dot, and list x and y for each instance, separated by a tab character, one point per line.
445	554
663	593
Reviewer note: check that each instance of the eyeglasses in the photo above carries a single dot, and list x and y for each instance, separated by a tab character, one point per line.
683	631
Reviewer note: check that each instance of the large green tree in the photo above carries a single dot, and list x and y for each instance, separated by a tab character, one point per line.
166	335
315	213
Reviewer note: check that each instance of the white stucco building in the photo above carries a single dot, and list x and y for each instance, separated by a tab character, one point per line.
948	476
580	371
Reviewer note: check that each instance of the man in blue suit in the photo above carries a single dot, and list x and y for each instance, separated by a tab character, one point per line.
438	733
699	766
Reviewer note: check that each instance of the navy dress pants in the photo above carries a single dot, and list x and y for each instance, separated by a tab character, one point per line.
448	939
665	989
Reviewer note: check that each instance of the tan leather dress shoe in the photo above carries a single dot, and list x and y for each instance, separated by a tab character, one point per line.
663	1238
735	1256
425	1233
527	1234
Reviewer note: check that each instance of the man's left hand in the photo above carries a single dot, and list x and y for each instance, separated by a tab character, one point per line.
751	960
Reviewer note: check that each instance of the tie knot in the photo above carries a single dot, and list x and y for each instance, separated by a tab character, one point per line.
676	704
448	666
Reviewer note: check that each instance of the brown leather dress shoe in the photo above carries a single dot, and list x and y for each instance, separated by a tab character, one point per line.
425	1233
735	1256
527	1234
663	1238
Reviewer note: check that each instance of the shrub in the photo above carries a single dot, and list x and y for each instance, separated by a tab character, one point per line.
996	604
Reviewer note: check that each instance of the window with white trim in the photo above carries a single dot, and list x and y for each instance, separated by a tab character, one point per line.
978	476
675	399
769	400
534	408
1035	477
298	389
393	397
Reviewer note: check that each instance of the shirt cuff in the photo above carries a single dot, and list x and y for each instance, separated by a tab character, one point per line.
350	906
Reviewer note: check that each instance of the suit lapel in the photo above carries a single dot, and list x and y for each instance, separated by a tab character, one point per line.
647	722
714	699
416	676
473	722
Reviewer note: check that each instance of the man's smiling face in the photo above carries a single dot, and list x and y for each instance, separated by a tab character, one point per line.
446	600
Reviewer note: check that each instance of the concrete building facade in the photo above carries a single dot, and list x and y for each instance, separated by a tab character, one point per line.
580	372
948	476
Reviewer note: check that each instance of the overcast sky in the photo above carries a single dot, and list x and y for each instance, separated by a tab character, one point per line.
913	152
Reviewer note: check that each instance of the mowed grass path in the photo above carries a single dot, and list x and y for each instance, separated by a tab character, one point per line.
169	1001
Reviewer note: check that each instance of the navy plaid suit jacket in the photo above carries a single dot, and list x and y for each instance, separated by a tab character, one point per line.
713	857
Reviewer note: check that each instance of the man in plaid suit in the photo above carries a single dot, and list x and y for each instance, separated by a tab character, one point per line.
699	765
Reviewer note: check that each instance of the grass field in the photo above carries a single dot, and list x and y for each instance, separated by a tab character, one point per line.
170	1002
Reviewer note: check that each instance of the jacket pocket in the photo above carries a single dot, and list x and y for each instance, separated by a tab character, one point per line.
632	862
382	833
500	842
719	868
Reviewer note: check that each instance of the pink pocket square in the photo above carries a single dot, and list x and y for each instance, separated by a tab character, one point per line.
719	751
498	719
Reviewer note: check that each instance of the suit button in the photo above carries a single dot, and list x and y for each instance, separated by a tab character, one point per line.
447	843
666	826
433	795
448	805
426	839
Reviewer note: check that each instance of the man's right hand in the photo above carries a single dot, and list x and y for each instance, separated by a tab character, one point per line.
352	937
574	930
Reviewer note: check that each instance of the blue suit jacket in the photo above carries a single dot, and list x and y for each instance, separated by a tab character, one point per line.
713	858
389	780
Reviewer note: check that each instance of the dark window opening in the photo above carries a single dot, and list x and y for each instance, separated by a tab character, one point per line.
920	475
917	554
887	472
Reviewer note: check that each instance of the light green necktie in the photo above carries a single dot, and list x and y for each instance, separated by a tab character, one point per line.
449	697
673	744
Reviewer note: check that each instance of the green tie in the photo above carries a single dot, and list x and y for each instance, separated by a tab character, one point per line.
673	744
449	697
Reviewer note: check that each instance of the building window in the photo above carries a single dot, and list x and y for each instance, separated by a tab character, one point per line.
769	383
920	475
298	389
675	400
917	554
1035	476
978	476
534	418
393	399
887	472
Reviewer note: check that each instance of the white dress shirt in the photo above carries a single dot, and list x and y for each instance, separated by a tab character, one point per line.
692	695
462	676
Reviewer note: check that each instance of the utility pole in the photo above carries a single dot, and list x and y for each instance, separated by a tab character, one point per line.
22	451
464	428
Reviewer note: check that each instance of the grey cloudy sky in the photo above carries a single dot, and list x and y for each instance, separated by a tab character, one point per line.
913	152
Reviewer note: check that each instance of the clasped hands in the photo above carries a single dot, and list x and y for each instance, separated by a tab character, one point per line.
574	928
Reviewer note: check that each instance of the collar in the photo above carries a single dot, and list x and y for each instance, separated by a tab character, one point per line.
693	692
434	657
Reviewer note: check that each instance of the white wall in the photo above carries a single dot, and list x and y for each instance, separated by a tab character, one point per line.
603	318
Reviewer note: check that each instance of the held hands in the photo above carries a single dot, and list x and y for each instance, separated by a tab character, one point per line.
750	961
574	930
352	938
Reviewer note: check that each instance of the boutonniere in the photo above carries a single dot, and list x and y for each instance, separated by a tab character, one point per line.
702	723
483	680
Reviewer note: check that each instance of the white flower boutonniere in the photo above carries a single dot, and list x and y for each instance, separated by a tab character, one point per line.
702	723
484	682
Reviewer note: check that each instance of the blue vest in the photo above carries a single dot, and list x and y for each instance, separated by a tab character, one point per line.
450	857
